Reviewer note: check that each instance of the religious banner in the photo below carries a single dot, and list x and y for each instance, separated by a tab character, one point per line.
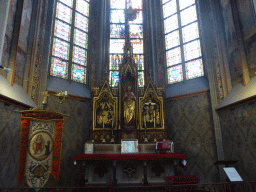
40	147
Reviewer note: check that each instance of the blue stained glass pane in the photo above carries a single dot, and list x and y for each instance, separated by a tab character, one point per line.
117	4
117	16
136	31
59	68
114	78
116	45
172	39
115	61
190	32
188	15
169	8
194	69
175	74
185	3
173	56
138	19
64	13
192	50
78	73
170	23
117	31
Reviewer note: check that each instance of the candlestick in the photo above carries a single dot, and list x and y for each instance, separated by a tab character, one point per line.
163	123
103	123
154	122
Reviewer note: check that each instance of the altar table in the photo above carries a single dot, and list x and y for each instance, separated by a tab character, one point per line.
160	164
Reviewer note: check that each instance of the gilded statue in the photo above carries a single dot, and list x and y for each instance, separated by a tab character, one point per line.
129	105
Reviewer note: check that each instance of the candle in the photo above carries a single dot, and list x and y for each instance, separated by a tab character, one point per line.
66	93
103	123
154	122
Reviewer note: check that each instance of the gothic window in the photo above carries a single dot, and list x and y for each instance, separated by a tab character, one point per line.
182	42
117	38
70	40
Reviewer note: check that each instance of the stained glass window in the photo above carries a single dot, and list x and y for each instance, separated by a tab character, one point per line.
65	44
182	41
117	38
175	74
194	69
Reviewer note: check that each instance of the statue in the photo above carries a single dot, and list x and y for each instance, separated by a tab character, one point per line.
129	105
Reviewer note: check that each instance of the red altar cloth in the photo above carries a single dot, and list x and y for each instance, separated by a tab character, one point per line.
182	179
135	156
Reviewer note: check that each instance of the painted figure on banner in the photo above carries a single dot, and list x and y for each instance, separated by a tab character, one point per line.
129	105
38	145
41	145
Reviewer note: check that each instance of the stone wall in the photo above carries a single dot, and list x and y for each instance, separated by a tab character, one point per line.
239	138
9	144
190	126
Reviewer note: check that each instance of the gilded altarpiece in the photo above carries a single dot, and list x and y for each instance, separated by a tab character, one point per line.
127	111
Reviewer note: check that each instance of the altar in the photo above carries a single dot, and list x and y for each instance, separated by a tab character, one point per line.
143	168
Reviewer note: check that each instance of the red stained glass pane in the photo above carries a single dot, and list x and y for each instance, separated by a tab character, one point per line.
139	60
117	4
135	4
173	56
137	45
64	13
117	16
68	2
79	55
83	7
192	50
171	23
115	61
117	31
59	68
175	74
185	3
116	45
188	15
138	19
194	69
78	73
114	78
172	39
141	80
80	38
190	32
60	48
81	22
62	30
169	8
136	31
